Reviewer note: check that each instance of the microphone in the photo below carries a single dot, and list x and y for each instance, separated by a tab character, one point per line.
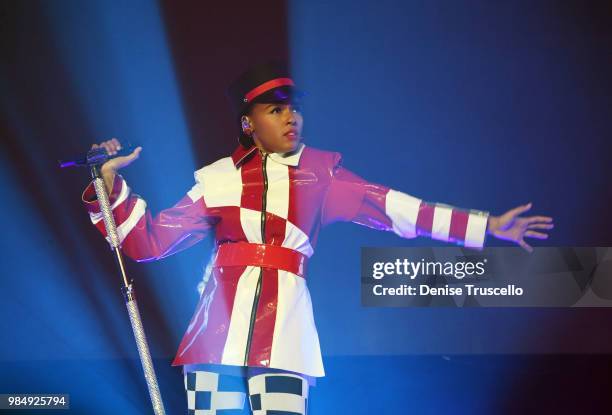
96	156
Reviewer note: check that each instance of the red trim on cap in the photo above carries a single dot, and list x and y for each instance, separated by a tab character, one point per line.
266	86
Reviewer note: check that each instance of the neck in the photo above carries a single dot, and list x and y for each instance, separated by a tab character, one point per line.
260	146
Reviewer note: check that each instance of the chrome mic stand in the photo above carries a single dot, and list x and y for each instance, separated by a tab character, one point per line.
94	160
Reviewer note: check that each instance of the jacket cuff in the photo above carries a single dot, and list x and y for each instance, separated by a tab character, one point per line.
90	199
476	232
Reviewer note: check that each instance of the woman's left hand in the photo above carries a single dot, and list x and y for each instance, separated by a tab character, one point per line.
511	227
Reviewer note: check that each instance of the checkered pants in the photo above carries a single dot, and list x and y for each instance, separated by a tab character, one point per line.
211	393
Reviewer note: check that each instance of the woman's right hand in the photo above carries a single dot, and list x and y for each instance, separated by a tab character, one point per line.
111	167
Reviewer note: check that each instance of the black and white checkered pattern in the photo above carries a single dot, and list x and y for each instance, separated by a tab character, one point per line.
284	394
211	393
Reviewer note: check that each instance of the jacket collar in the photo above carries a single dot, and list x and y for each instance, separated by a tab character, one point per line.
241	154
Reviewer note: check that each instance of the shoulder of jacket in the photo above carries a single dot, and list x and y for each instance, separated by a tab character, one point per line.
327	157
224	165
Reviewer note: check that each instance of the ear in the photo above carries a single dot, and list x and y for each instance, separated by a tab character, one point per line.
246	125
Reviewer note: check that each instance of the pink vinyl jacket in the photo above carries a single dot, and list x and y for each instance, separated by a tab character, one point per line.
266	211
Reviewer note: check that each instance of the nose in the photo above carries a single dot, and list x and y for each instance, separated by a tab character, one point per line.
291	120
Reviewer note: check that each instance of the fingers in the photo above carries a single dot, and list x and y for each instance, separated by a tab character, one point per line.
134	155
534	234
116	144
540	226
525	246
530	219
520	209
533	219
111	146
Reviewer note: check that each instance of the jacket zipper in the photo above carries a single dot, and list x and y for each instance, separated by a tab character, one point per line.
259	279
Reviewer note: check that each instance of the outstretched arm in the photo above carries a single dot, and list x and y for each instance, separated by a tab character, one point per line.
351	198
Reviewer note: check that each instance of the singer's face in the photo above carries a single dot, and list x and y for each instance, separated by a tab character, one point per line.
277	128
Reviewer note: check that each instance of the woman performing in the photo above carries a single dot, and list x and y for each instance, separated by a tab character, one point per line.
253	332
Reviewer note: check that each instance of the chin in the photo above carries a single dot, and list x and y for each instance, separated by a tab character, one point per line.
288	147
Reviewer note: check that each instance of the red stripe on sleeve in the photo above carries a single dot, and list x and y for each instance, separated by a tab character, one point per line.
91	200
458	226
425	219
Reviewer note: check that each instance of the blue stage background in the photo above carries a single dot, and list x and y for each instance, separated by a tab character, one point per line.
476	104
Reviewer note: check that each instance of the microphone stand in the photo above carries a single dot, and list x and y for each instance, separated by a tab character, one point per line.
127	288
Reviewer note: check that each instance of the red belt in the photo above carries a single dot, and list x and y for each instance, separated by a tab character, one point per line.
260	255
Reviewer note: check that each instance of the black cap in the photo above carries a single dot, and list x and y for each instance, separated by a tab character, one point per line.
267	82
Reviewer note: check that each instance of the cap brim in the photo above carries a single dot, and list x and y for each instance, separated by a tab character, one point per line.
281	94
